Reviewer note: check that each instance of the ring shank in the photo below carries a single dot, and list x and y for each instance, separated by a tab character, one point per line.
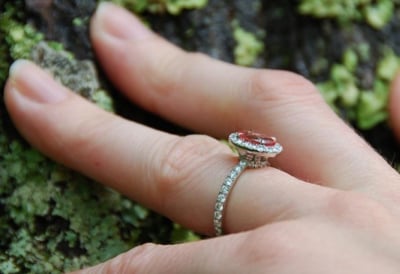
223	195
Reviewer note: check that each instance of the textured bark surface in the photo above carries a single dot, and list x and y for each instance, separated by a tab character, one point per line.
291	41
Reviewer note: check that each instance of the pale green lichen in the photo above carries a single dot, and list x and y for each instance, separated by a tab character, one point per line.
181	235
6	21
371	109
20	38
103	100
343	92
379	14
57	220
248	47
53	220
376	13
174	7
79	75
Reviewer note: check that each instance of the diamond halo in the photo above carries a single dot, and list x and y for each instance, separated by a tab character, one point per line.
255	148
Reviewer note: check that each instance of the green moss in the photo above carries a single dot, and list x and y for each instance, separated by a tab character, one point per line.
329	9
5	16
174	7
366	108
103	100
371	108
181	235
20	38
376	13
379	14
80	22
388	65
61	220
52	219
350	60
248	46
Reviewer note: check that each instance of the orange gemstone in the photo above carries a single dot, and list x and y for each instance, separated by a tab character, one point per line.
256	138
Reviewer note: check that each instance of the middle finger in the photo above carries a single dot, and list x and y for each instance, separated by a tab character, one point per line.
216	98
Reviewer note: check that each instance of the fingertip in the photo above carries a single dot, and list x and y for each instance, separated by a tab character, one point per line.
113	22
28	80
17	66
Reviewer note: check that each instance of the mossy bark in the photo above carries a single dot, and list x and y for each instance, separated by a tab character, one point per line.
53	220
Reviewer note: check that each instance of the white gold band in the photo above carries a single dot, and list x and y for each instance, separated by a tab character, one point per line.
254	150
223	195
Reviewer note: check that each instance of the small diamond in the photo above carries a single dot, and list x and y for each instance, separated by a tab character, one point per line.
233	175
224	190
221	198
217	215
260	148
228	182
219	206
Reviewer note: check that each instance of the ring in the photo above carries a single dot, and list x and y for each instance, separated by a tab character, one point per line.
254	149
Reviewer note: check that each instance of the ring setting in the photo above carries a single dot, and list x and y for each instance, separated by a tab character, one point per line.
254	150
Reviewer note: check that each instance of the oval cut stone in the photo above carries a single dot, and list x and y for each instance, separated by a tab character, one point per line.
256	138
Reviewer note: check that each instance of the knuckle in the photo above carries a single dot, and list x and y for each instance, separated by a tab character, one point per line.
285	87
169	67
166	70
83	134
184	160
267	246
355	209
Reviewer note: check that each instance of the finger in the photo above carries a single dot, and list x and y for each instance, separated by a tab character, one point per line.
313	245
182	258
217	98
238	253
394	106
178	177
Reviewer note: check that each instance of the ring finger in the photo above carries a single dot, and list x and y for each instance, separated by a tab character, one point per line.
177	176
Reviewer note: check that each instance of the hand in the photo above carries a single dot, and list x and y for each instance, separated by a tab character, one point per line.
329	204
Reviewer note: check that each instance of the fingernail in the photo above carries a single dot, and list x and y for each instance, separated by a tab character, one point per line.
35	84
120	23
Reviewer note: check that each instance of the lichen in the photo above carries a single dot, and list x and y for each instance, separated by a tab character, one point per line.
376	13
52	219
174	7
182	235
6	21
79	75
248	47
20	38
60	220
343	91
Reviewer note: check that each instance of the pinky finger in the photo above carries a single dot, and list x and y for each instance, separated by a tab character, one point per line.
218	255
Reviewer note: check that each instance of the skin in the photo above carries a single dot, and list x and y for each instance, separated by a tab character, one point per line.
329	204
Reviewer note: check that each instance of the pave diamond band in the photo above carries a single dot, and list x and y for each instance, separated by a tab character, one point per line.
223	194
254	149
